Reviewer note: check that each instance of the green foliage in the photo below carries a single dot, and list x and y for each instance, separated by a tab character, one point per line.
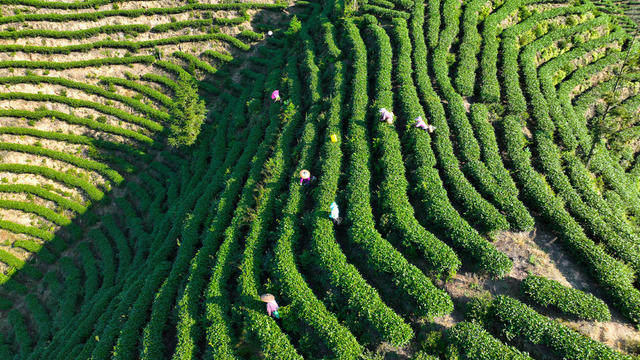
187	114
294	27
475	343
515	319
570	301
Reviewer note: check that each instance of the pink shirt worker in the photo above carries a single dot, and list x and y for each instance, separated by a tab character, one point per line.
386	115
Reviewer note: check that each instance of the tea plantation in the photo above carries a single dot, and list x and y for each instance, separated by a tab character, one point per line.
150	188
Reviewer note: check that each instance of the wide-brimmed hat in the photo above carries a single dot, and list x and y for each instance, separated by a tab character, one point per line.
267	298
305	174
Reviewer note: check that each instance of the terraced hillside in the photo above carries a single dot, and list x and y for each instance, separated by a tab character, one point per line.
510	231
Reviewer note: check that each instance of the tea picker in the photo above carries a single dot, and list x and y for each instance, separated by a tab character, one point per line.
335	213
272	305
420	123
386	115
306	178
275	95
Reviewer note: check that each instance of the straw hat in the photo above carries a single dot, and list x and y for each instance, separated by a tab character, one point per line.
305	174
267	298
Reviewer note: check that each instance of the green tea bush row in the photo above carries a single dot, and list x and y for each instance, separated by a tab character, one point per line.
29	230
178	25
125	315
186	327
614	276
469	49
40	316
140	88
195	62
107	256
69	298
63	156
20	333
76	103
490	88
560	65
383	258
11	260
43	253
406	4
162	80
130	29
516	319
274	343
188	305
114	44
42	211
489	152
126	346
124	252
141	199
71	119
224	57
485	215
382	3
217	309
429	188
125	13
147	59
308	309
474	342
602	162
501	195
94	145
384	12
91	89
329	40
550	155
399	220
251	35
89	270
433	22
360	297
510	50
67	179
267	206
45	194
581	181
546	292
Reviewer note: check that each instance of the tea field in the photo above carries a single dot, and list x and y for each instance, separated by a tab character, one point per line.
150	188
